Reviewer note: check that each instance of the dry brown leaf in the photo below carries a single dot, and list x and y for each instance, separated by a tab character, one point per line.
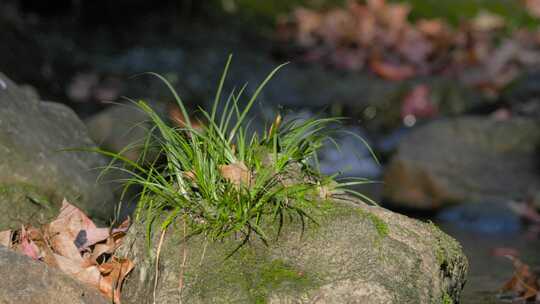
113	273
394	16
236	173
336	25
533	7
391	71
5	238
77	226
43	243
177	117
88	274
63	244
56	245
27	246
109	247
308	22
524	282
431	27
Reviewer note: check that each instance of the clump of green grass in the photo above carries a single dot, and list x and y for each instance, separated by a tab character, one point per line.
223	179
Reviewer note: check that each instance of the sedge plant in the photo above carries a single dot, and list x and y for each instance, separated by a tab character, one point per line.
222	178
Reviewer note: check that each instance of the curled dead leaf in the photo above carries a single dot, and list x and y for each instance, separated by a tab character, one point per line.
73	243
27	246
236	173
524	282
114	273
78	227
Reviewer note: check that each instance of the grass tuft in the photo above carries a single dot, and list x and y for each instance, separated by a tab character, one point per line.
224	179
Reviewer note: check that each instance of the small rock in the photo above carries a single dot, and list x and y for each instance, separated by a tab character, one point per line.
23	280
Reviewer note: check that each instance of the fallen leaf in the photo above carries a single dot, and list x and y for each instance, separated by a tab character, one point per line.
63	244
109	247
395	72
77	226
431	27
73	244
236	173
87	274
27	246
177	117
524	282
418	103
114	273
5	238
308	22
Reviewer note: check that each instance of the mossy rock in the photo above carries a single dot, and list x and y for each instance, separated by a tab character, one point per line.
357	254
35	174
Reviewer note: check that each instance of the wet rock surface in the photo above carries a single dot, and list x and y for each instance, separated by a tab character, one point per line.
26	281
358	254
35	174
465	159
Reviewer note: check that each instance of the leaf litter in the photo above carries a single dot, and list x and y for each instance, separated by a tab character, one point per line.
377	35
74	244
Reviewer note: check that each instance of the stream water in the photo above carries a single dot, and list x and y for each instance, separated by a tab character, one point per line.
479	236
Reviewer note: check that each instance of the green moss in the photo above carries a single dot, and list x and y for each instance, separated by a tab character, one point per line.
446	249
446	299
274	275
378	223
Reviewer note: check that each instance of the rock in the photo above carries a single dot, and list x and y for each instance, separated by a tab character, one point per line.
357	254
120	126
465	159
521	95
26	281
35	175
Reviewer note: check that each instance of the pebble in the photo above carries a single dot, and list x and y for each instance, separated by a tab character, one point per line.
3	84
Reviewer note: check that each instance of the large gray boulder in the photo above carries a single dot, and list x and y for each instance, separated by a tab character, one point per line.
35	175
23	280
357	254
466	159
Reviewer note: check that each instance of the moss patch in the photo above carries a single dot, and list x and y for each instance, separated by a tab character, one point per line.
274	275
378	223
446	249
22	203
446	299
